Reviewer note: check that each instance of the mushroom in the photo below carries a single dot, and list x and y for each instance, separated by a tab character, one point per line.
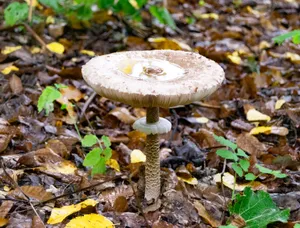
153	79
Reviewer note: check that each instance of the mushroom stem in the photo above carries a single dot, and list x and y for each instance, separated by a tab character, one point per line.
152	173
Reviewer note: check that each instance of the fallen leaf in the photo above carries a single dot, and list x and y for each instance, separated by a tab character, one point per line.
282	131
87	52
9	69
3	222
208	16
5	208
15	84
7	50
164	43
59	214
113	164
293	57
123	115
120	204
37	193
137	156
234	58
229	181
205	215
90	220
56	47
250	144
254	115
279	103
35	50
190	180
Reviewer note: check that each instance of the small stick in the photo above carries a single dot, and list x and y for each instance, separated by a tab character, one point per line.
36	36
87	103
30	11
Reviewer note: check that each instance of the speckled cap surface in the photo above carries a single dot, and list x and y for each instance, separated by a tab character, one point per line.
158	78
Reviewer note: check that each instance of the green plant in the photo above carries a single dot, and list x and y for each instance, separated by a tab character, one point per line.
257	209
295	35
98	156
15	13
240	163
82	10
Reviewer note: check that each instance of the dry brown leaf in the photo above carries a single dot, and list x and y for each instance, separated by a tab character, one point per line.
5	208
37	193
250	144
205	215
123	115
15	84
120	204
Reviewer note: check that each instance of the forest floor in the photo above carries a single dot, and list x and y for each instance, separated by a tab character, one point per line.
41	156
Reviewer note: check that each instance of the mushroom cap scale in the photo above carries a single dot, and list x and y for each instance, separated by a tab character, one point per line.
158	78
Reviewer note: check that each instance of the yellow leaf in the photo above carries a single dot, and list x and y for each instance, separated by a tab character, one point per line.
137	156
282	131
134	4
90	221
202	120
254	115
3	222
164	43
234	58
209	16
56	47
6	188
205	215
279	103
50	20
87	52
293	57
35	50
64	167
9	69
189	180
113	164
34	2
7	50
229	181
264	44
59	214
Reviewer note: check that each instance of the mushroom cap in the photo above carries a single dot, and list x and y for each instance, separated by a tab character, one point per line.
158	78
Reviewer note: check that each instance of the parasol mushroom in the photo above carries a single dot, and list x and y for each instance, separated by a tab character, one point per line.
153	79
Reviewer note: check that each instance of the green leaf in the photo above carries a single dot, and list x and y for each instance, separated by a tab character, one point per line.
241	153
93	157
225	142
297	225
250	177
228	226
99	167
125	7
163	16
245	164
46	99
106	141
84	12
15	13
227	154
280	39
237	169
258	209
278	174
107	154
263	169
89	140
53	4
105	4
60	86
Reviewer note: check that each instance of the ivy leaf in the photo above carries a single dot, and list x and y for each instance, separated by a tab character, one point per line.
241	153
245	164
258	209
227	154
163	16
237	169
46	99
15	12
107	154
295	35
89	140
93	157
225	142
250	177
99	167
106	141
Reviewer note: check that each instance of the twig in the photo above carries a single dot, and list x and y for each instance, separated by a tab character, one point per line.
201	104
36	36
15	184
222	187
30	11
77	191
87	103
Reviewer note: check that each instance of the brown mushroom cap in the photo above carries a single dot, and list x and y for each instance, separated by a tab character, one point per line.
159	78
